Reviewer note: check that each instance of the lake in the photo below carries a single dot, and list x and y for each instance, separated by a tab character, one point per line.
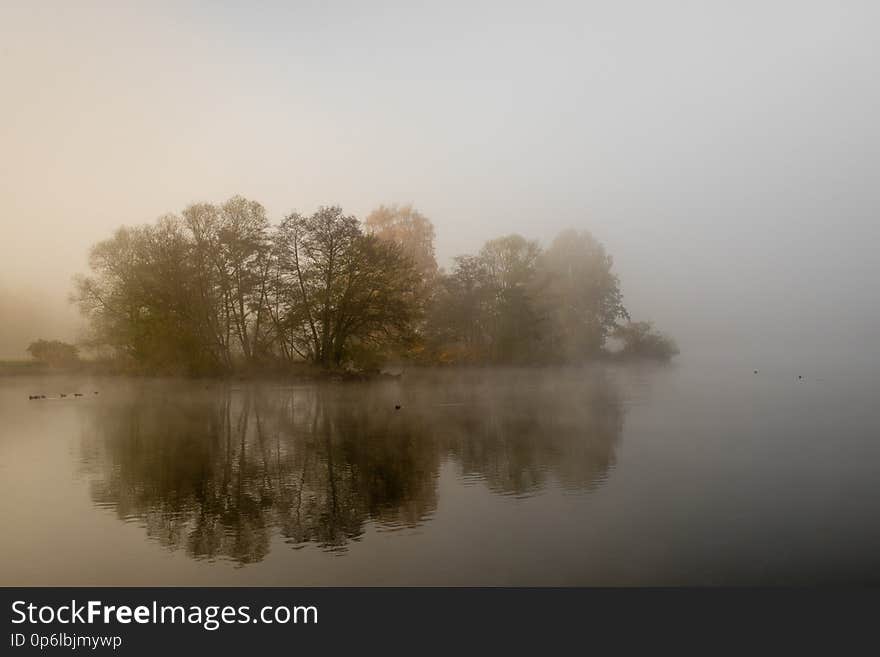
687	474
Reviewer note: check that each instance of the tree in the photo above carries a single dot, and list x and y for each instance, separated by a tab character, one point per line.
411	230
211	307
139	297
414	233
484	309
457	320
510	264
231	251
244	272
341	288
54	353
581	298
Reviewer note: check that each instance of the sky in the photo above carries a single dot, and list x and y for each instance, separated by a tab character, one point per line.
727	154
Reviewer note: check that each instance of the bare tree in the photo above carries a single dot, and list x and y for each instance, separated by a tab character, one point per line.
341	287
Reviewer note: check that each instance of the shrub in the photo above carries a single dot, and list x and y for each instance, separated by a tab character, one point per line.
54	353
642	340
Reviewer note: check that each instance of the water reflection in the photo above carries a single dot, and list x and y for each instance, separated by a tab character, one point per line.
221	471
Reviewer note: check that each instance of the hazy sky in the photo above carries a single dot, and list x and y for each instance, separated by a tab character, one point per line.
727	153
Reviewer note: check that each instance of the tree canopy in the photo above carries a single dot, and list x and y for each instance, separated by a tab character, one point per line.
411	230
340	287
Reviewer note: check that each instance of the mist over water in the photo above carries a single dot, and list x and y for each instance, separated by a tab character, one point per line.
607	475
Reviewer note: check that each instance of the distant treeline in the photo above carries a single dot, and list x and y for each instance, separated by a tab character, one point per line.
220	289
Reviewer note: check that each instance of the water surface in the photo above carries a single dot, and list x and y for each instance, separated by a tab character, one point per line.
611	475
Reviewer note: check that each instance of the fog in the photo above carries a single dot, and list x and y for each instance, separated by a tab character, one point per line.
725	153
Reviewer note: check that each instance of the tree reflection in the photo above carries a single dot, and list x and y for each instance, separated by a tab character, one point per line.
221	472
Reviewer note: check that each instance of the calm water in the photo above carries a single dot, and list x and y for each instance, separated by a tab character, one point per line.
610	475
